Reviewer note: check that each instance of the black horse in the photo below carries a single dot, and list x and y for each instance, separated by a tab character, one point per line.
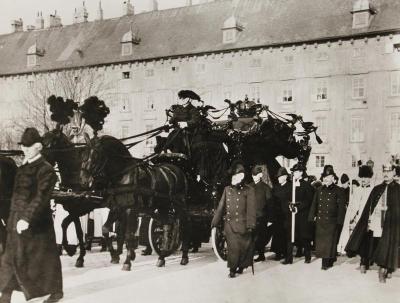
8	169
137	186
58	149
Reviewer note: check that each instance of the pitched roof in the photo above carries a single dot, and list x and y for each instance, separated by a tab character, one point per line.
190	30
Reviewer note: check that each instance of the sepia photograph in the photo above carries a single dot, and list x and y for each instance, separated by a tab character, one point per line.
199	151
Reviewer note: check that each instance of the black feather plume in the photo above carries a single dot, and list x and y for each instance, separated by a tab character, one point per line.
184	94
94	111
61	110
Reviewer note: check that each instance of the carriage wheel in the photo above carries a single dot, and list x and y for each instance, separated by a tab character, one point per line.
219	243
164	237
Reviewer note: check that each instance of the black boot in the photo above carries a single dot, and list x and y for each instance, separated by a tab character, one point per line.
232	273
260	258
147	251
54	297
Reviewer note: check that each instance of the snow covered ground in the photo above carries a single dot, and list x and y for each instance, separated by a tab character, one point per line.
204	280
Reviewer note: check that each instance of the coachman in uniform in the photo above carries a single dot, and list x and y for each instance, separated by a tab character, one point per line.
238	206
31	263
327	211
263	195
376	237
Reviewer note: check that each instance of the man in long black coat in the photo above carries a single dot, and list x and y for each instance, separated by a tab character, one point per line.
304	198
328	211
376	237
31	263
263	196
283	196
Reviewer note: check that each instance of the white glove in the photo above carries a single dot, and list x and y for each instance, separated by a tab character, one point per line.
182	124
269	224
22	225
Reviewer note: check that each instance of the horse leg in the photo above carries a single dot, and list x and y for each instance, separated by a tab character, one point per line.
131	227
185	230
70	249
82	248
107	227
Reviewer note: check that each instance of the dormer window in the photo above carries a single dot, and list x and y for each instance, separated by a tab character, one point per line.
363	13
127	42
33	55
231	30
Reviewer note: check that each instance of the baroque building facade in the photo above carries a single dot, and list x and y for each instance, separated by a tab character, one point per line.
334	62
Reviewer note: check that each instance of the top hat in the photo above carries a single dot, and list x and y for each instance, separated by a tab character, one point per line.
30	137
281	172
387	167
328	170
257	169
298	167
365	171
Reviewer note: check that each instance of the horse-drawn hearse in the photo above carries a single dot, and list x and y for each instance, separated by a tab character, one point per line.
178	186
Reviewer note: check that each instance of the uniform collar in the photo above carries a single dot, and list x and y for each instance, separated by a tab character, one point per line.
31	160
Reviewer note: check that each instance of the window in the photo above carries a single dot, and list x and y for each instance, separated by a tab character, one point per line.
126	75
359	53
255	91
357	129
255	62
31	84
175	69
395	84
127	49
149	73
321	123
395	127
228	64
322	56
322	90
358	87
319	161
149	142
124	131
287	93
229	35
353	161
31	60
227	92
360	19
150	103
289	59
125	103
201	68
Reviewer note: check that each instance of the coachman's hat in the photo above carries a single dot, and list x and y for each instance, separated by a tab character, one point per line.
299	167
30	137
281	172
365	171
328	171
344	178
257	169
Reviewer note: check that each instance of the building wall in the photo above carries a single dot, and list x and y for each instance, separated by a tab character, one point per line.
138	102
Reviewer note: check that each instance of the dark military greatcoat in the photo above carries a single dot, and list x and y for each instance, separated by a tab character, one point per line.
239	206
31	262
328	210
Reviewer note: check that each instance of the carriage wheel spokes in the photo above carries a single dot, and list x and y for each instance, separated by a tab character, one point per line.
164	236
219	243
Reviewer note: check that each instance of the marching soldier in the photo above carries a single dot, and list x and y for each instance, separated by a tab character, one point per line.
376	237
263	197
327	211
356	205
239	205
31	263
304	198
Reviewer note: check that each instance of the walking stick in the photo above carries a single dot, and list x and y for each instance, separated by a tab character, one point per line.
292	210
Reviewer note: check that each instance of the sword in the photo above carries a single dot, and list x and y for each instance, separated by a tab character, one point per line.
293	213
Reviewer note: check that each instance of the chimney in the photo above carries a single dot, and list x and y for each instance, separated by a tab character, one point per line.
128	8
153	5
81	14
39	21
54	20
189	2
99	12
17	25
363	13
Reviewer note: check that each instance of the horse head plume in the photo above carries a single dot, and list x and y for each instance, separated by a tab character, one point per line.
94	111
188	94
61	111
